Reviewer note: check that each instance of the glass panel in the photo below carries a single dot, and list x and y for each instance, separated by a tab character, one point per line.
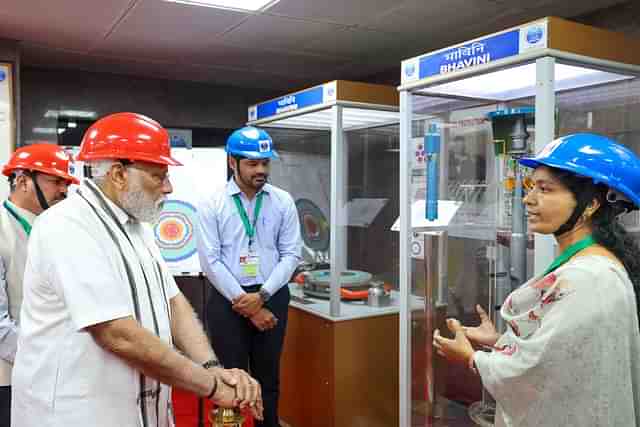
366	331
373	205
304	170
468	259
611	110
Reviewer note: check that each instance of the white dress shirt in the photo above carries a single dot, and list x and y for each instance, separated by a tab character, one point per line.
222	239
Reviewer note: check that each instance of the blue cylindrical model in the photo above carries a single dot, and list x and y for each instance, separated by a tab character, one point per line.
432	154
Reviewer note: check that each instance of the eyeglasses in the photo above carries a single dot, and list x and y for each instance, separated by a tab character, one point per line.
159	178
53	180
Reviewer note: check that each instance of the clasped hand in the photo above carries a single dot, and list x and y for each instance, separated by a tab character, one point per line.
248	304
235	388
459	349
251	306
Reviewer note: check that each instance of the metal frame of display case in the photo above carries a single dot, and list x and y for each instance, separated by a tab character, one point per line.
336	106
8	112
543	44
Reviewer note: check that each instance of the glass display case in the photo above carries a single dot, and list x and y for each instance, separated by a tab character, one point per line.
338	147
468	113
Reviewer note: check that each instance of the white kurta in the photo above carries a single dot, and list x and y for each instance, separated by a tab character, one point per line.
76	277
13	251
571	355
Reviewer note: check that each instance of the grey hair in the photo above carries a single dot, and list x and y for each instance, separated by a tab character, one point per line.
99	170
12	179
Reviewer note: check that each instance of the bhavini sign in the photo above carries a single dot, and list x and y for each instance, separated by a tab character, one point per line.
477	52
469	55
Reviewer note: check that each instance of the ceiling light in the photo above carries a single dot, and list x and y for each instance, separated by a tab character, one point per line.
80	114
44	131
240	5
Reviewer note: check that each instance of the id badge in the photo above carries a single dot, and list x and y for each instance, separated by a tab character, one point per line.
249	263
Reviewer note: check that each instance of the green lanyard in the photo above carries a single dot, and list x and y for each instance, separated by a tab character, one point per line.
569	252
249	228
23	222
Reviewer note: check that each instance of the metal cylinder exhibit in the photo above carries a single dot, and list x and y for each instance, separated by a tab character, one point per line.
432	153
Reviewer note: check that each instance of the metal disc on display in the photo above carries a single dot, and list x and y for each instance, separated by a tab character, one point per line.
319	282
313	225
174	231
349	278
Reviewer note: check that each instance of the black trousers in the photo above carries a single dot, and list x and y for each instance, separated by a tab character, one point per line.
239	344
5	406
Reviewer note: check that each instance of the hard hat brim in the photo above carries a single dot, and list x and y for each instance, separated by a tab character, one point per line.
255	156
6	171
598	178
160	160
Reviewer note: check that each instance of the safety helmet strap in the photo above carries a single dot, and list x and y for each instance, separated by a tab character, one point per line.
39	194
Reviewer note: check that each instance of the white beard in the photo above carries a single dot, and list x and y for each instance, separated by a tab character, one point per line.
139	204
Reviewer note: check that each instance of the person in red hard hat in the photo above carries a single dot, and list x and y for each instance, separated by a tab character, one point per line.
38	178
105	330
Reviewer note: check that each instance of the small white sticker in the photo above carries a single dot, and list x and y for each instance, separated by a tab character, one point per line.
253	113
533	36
410	70
264	145
329	92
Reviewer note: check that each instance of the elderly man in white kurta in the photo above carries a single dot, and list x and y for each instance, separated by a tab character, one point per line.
101	313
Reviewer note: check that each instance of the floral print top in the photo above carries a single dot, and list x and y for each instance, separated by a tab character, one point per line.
571	354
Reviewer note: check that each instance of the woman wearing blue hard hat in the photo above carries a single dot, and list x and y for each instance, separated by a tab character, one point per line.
570	355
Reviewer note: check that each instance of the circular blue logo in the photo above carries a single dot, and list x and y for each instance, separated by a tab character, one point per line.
534	35
409	70
3	75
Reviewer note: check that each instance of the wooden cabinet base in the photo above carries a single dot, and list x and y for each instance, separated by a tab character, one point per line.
339	374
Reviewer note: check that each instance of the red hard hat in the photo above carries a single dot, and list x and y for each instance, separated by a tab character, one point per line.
127	136
46	158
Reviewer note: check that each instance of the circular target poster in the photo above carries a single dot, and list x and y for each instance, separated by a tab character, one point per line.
313	225
174	231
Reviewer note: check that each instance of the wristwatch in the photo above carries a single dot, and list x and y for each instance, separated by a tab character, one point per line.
264	294
212	363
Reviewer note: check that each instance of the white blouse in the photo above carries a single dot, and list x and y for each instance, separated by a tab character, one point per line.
571	355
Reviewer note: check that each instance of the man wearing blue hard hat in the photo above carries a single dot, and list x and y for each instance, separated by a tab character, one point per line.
570	352
249	245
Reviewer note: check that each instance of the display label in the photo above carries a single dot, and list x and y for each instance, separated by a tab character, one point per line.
471	55
292	102
479	52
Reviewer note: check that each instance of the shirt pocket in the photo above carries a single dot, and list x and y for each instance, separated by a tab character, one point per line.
268	228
